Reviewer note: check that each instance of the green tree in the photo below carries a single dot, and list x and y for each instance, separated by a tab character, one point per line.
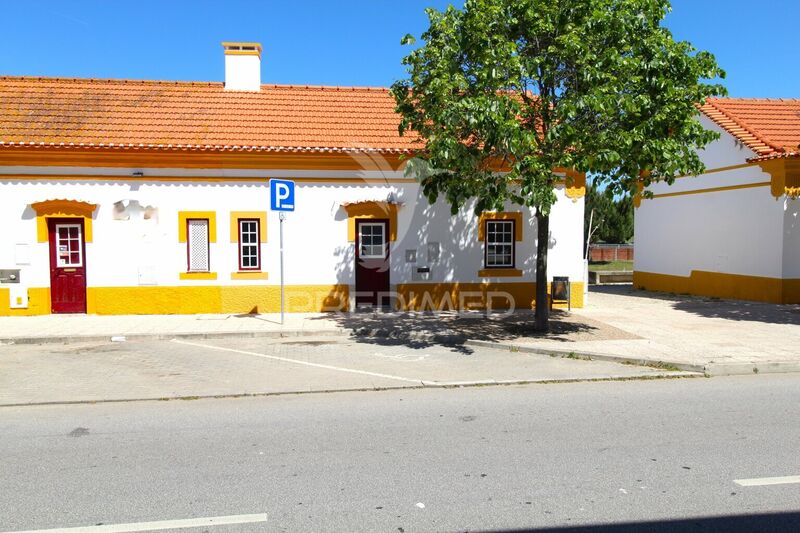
611	218
531	86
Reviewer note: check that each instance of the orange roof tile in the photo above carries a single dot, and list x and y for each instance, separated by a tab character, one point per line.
195	115
769	127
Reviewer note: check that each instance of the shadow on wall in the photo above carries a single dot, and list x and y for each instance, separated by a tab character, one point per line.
429	237
713	307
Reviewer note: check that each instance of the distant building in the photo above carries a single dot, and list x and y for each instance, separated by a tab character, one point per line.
125	196
733	232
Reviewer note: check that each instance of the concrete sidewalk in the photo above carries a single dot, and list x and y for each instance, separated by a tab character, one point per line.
78	328
721	337
689	333
189	369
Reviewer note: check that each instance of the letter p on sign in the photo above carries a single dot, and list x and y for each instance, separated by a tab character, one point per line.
281	194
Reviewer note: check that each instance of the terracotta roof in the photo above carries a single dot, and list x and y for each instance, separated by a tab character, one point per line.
193	115
769	127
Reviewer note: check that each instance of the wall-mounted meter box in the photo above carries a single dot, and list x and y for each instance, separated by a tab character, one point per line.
17	297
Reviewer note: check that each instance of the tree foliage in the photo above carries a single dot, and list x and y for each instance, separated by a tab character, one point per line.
531	86
611	217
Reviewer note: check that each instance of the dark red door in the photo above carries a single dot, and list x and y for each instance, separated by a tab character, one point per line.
67	265
372	262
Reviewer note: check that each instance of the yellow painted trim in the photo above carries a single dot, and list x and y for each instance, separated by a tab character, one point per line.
516	216
63	209
198	275
500	273
201	179
575	185
260	215
194	158
242	53
718	169
249	275
183	216
785	175
241	43
722	285
365	210
712	189
451	296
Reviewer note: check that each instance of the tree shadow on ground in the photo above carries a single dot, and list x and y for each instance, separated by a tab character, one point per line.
707	307
452	329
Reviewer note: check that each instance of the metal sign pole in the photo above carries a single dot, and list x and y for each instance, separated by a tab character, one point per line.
282	217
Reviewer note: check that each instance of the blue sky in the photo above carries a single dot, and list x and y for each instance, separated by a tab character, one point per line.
350	42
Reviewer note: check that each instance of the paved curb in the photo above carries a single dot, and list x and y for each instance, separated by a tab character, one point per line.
422	385
709	369
74	339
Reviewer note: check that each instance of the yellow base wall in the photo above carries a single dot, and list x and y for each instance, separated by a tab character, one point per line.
38	303
192	300
266	299
721	285
447	296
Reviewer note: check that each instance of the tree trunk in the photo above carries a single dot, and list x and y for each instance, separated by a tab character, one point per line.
542	320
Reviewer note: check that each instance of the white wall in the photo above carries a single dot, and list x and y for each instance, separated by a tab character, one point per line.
725	151
316	251
791	238
738	231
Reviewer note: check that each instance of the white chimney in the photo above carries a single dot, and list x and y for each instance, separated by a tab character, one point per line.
242	66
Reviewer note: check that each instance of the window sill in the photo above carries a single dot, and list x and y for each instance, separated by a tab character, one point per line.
500	273
198	275
249	275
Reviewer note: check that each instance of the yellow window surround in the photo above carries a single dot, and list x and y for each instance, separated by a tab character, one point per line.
378	210
245	275
261	216
198	275
500	273
516	216
63	209
211	216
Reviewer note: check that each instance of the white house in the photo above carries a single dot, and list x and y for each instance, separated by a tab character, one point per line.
127	196
733	232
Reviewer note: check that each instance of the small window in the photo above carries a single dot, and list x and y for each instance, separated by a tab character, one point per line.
499	245
197	244
249	244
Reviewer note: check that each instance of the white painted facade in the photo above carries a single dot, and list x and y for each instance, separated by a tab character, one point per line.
723	222
128	250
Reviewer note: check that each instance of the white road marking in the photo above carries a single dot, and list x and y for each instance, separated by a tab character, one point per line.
762	481
304	363
153	526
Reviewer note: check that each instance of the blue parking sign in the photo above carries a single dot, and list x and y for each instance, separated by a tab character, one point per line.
281	193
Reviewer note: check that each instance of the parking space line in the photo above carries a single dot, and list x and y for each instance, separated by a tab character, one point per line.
762	481
160	525
298	362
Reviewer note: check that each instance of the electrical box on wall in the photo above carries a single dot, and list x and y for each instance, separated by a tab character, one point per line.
17	297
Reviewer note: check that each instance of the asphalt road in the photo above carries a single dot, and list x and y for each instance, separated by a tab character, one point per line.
658	455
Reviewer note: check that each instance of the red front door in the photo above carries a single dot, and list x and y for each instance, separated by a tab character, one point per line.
372	262
67	265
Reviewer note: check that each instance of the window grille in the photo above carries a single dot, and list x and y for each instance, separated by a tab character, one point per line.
499	244
197	245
